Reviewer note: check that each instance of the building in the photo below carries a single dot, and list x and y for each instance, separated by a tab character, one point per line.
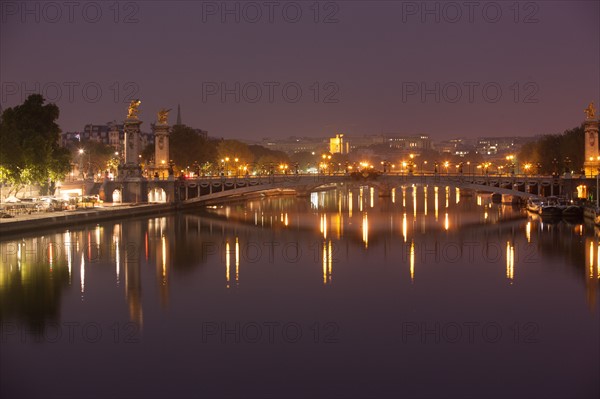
111	133
294	145
458	147
337	145
501	145
408	143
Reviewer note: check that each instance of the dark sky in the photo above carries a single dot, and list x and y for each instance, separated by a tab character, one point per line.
373	67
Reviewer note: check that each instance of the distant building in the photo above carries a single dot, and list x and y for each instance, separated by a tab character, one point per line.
111	133
500	145
364	141
337	145
455	147
409	143
293	145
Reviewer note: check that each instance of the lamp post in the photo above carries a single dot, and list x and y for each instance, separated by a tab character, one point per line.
567	165
81	152
555	166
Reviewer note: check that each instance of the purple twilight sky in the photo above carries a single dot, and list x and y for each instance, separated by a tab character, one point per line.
306	68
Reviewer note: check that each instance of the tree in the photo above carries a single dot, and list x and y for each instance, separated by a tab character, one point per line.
93	156
570	144
148	153
30	152
265	156
233	149
188	147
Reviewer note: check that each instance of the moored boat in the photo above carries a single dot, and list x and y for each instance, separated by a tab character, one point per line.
550	207
534	204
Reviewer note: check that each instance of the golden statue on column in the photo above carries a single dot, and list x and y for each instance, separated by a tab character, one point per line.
132	112
163	115
590	111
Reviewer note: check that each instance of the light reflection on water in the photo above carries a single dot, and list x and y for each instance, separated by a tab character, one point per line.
469	259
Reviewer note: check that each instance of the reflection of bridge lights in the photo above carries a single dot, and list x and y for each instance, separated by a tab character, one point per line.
327	261
67	241
82	274
50	255
365	229
227	263
371	196
237	260
404	227
414	200
446	222
350	200
436	202
393	195
528	231
360	199
591	262
412	261
425	189
447	196
164	258
323	225
510	261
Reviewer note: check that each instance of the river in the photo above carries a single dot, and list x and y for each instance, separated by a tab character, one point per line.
428	293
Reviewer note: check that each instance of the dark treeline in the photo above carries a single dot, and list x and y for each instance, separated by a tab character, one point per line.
566	148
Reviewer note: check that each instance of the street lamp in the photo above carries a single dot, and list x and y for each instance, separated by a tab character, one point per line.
567	165
81	152
555	167
527	166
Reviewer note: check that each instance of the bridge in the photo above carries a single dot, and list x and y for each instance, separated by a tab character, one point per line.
204	191
214	189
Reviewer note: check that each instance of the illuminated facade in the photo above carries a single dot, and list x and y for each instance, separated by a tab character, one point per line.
337	145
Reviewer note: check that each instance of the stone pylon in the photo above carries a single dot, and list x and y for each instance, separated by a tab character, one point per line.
592	155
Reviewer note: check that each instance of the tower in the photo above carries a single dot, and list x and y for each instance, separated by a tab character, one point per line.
592	155
178	115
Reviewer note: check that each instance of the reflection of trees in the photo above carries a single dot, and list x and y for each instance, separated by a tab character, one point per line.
559	241
35	300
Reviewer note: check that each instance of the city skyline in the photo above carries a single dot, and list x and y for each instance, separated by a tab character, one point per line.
361	68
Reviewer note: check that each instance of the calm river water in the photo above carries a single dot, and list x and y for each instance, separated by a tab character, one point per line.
430	293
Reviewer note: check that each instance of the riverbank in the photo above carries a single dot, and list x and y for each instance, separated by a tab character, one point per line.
47	220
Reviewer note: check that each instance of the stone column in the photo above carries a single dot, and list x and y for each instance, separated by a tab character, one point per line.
131	169
133	142
161	149
592	155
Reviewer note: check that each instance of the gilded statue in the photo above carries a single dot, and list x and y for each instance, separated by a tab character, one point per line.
163	115
132	112
590	111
